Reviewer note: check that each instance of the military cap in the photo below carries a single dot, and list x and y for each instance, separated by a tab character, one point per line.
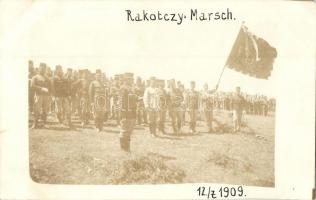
172	80
82	71
139	80
42	65
98	71
116	76
128	75
127	78
160	82
58	67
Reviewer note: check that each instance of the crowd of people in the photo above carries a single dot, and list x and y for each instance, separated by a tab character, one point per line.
128	101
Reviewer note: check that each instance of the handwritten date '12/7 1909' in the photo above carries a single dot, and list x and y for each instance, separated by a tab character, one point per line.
222	192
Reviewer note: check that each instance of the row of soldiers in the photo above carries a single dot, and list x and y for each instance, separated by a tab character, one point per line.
119	98
93	96
254	104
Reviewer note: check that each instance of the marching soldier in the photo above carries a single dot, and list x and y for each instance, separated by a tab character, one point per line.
98	100
41	85
162	106
127	99
207	104
192	101
61	87
238	105
83	92
151	100
176	99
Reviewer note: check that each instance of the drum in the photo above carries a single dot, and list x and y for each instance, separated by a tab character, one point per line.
100	103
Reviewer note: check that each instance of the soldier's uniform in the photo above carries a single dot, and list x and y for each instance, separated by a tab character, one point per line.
151	100
207	104
176	99
256	105
97	94
31	90
182	106
74	99
127	100
114	94
41	85
238	106
82	86
139	90
162	106
61	87
192	101
107	100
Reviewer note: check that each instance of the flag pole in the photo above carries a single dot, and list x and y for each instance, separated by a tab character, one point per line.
220	77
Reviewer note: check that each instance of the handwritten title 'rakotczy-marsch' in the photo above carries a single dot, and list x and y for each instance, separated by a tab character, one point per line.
178	18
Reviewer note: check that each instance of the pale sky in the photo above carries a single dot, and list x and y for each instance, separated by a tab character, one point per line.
95	35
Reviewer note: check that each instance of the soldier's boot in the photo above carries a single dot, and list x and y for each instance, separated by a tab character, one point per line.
145	117
193	127
69	121
151	129
161	128
154	128
86	118
59	117
99	127
138	118
179	126
210	127
122	143
127	145
44	118
174	128
35	123
105	117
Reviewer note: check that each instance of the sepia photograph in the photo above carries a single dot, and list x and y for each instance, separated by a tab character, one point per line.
147	121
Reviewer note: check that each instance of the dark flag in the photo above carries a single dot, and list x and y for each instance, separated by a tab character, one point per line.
251	55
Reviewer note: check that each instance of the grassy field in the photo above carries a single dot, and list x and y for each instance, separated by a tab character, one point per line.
84	156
